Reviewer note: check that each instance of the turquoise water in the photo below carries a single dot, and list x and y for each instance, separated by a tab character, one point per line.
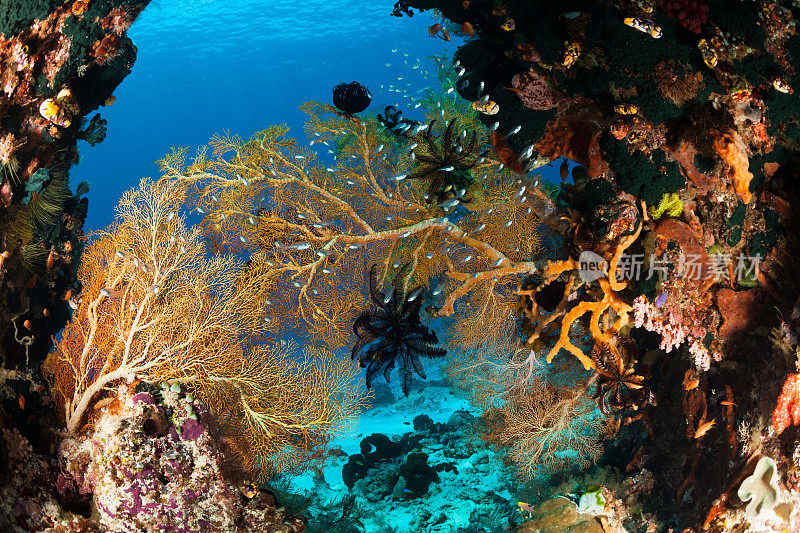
241	65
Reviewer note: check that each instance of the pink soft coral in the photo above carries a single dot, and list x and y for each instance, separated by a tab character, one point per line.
673	332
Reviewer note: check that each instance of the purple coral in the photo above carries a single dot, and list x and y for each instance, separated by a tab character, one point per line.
535	91
691	14
145	398
160	479
191	429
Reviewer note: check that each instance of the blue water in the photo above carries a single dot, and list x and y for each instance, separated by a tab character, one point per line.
204	67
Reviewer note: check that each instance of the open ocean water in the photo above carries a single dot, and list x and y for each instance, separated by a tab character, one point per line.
210	66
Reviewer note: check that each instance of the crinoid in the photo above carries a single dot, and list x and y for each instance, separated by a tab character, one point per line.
619	388
393	331
446	163
392	119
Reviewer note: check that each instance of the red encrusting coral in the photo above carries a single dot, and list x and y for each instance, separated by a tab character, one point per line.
691	14
787	411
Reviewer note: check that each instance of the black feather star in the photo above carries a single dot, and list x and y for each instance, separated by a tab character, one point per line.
445	165
393	331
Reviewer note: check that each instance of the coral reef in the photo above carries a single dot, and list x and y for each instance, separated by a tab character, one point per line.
628	337
147	460
673	292
61	60
150	462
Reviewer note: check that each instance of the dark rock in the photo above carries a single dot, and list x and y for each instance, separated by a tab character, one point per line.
418	474
424	423
155	422
378	447
354	469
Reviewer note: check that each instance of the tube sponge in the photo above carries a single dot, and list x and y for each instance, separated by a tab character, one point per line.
761	488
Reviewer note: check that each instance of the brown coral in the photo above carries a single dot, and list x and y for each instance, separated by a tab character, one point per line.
676	83
535	91
675	231
506	155
742	311
684	153
576	138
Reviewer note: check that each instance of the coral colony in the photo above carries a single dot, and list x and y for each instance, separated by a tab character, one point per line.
624	340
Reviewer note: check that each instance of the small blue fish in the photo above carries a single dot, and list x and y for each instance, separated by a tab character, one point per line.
662	299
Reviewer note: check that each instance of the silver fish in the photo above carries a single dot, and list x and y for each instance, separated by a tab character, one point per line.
450	203
413	295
